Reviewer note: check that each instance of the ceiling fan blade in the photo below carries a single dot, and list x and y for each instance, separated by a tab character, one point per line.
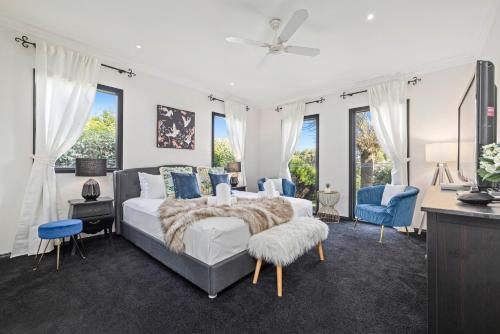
302	50
295	22
246	41
263	61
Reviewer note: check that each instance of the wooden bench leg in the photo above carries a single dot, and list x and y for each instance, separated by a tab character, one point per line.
257	271
279	280
320	251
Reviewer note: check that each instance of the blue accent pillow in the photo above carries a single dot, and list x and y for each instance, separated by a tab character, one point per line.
216	179
185	185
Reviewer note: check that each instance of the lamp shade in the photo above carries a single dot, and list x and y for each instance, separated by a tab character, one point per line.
90	167
441	152
233	167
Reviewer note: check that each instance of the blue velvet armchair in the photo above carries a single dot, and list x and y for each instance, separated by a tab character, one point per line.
289	188
398	212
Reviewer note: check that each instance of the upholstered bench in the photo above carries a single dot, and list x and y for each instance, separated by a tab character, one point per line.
56	230
283	244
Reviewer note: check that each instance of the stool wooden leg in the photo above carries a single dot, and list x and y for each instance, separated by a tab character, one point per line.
279	280
320	251
58	253
257	271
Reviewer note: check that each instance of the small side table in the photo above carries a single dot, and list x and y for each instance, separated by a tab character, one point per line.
96	215
327	211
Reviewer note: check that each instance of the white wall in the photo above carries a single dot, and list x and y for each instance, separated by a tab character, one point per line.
433	118
141	95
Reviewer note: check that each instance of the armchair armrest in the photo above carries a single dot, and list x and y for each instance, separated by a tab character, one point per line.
407	194
402	206
370	195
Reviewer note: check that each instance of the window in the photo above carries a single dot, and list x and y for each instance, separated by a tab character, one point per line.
102	135
369	165
221	148
304	165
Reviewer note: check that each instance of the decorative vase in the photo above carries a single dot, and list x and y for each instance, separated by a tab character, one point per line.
328	189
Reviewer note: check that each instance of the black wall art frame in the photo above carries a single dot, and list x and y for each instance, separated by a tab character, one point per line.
175	128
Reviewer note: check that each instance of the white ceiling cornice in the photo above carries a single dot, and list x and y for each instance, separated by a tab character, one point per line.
108	57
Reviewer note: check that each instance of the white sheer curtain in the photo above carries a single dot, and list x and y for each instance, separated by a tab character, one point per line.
291	126
66	83
236	122
388	110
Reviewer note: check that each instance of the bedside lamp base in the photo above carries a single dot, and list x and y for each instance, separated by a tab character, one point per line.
234	180
91	190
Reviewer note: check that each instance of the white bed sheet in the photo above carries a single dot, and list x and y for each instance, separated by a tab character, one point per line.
210	240
301	207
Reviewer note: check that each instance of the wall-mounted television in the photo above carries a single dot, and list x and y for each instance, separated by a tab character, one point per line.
477	122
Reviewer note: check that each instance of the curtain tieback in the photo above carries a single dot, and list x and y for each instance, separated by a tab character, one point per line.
45	160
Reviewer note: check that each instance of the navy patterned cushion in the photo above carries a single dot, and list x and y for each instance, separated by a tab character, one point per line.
216	179
185	185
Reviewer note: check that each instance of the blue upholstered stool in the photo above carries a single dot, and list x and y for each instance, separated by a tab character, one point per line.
56	230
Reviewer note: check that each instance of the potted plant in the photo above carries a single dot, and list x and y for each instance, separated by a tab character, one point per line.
489	163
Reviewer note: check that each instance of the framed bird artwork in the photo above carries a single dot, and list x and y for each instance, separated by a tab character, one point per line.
175	128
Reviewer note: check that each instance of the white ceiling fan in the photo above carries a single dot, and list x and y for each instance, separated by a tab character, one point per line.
279	44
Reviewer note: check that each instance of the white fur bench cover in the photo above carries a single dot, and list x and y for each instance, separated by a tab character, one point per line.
283	244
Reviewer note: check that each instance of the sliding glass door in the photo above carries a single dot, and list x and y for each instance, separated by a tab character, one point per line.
369	165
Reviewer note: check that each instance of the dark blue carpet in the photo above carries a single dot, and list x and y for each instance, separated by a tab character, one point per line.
362	287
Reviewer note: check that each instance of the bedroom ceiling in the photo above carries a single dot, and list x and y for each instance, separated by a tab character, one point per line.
185	40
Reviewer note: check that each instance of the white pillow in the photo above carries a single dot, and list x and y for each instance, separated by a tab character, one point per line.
391	190
278	185
152	186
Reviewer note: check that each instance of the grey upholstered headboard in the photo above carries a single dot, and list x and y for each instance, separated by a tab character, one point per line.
126	185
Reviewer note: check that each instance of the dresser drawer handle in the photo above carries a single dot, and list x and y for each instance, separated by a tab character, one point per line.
95	222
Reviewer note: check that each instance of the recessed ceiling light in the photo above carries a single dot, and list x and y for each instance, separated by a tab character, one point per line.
231	84
138	46
370	17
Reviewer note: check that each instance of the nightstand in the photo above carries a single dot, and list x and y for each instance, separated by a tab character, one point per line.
239	188
96	215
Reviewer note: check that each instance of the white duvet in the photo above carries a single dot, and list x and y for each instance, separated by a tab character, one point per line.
209	240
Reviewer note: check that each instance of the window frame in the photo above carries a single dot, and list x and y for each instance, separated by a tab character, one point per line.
119	127
214	114
352	147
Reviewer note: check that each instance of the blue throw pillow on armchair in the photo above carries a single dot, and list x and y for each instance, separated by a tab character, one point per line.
216	179
185	185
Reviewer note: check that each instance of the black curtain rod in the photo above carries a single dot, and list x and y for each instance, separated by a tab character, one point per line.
412	82
320	100
26	43
212	98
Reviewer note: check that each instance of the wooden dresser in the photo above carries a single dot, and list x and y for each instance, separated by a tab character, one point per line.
463	254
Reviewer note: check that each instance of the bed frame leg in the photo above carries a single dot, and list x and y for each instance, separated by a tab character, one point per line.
212	296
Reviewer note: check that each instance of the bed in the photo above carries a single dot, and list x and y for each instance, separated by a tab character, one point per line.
215	253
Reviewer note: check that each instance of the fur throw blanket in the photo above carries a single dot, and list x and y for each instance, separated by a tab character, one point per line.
260	214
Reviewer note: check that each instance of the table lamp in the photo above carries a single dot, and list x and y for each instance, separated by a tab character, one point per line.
234	168
441	154
90	167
